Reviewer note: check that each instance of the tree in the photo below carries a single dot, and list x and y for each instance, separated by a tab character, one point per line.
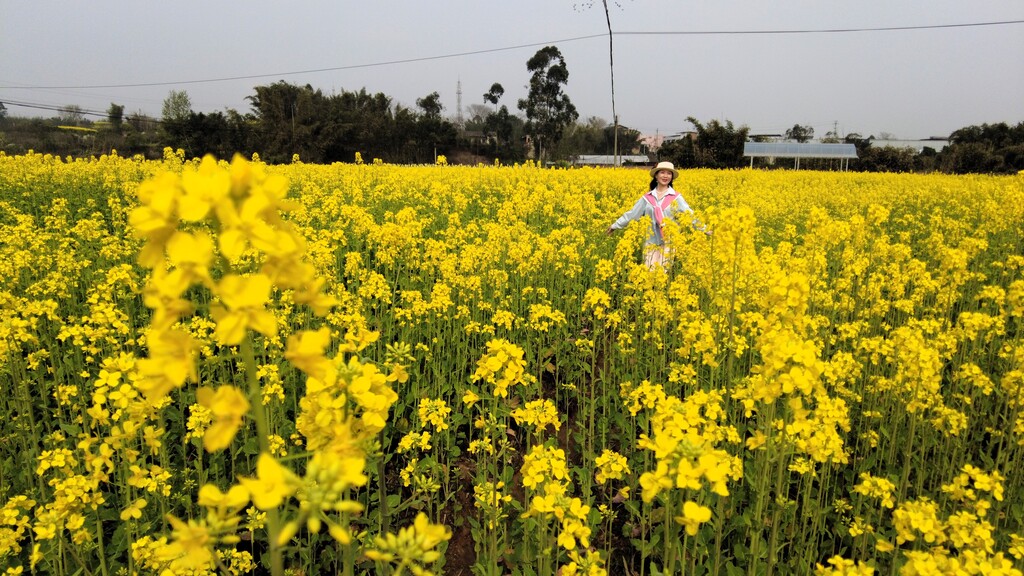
716	145
142	135
831	137
242	132
548	109
987	148
800	133
177	106
498	125
999	135
361	122
476	115
292	120
585	138
434	134
431	105
597	136
115	114
971	157
623	138
494	94
215	133
142	122
1013	158
504	128
404	142
886	159
861	144
71	115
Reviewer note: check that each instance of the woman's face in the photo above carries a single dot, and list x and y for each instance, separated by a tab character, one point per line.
663	176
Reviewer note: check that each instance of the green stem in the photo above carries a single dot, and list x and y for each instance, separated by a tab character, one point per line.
907	455
719	522
99	543
670	534
350	550
382	498
259	414
776	516
762	467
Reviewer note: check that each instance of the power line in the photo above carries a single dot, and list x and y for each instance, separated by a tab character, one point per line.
821	30
77	110
520	46
311	71
64	109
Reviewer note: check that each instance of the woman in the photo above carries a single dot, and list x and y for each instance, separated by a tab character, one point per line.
661	204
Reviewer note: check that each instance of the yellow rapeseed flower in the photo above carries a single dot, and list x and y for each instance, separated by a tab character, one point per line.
134	510
228	405
243	308
413	547
693	516
272	485
305	349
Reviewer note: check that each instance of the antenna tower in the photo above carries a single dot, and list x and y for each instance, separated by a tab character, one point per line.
458	104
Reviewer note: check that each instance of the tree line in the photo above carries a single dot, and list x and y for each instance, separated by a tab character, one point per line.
989	148
288	121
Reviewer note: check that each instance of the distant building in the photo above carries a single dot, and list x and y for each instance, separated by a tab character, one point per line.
609	160
477	137
917	146
680	135
766	137
651	142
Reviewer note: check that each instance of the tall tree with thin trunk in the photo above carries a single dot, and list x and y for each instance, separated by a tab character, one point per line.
548	109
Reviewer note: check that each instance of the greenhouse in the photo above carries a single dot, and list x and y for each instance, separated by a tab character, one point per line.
798	150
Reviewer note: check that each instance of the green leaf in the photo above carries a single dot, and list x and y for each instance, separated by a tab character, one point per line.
732	570
394	500
250	448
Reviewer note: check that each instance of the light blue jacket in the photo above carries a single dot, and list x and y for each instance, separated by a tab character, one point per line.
643	208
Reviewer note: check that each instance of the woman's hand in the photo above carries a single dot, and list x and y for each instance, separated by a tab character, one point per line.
609	231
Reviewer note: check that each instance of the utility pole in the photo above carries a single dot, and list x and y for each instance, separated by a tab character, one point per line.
611	71
615	144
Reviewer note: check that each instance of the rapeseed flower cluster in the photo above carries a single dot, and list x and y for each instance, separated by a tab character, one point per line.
492	502
684	440
434	413
538	414
502	366
412	548
791	371
839	566
545	472
14	524
960	541
874	487
611	466
346	401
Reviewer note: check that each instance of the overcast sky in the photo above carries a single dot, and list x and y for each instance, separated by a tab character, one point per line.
727	60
